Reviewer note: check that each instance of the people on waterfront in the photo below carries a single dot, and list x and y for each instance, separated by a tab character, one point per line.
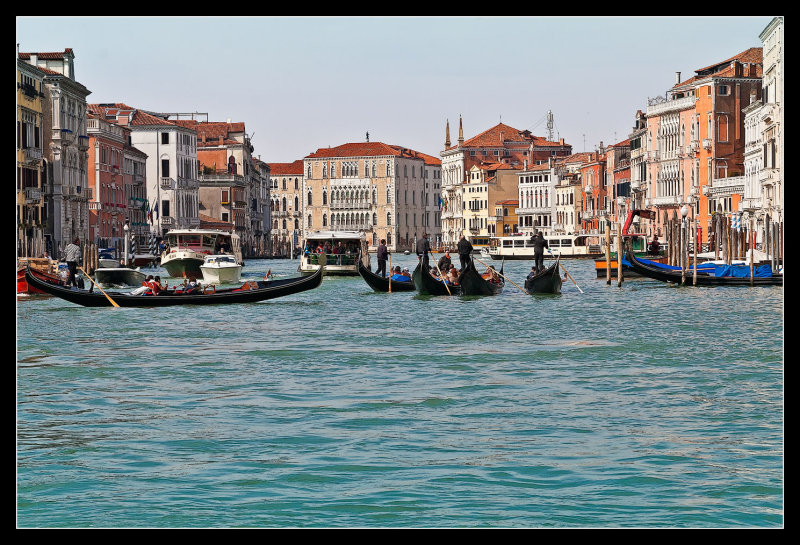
424	248
464	251
539	243
383	255
72	255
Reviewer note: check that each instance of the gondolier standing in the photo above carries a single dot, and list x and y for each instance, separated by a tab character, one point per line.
72	255
539	244
424	248
383	255
464	251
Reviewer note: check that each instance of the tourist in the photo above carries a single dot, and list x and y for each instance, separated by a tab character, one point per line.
464	251
398	276
383	255
532	273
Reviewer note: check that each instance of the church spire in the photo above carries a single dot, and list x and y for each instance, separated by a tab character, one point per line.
460	132
447	135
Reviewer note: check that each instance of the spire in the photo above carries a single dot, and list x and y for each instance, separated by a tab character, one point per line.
447	135
460	132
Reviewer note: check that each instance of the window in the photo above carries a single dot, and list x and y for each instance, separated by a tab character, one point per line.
165	138
165	168
724	90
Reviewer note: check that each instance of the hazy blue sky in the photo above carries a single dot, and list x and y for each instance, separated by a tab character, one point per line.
301	84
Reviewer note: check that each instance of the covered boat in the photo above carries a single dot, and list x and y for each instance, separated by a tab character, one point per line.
473	283
383	283
717	275
340	248
546	281
426	284
249	292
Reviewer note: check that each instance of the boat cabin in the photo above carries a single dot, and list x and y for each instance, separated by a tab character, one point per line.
341	249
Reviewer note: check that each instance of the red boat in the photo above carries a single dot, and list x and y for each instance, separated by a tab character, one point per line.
42	267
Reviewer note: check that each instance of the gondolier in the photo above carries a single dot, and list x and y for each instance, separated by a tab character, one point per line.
72	255
383	255
464	251
424	248
539	244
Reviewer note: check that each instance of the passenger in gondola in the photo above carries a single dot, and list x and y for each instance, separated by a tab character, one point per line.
491	274
452	275
533	273
157	288
398	275
445	262
192	286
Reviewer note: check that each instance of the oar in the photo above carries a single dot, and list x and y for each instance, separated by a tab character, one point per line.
113	303
390	273
567	272
442	278
501	274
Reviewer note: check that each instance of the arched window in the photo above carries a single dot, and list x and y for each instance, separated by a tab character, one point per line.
324	197
388	218
309	221
324	220
296	203
309	199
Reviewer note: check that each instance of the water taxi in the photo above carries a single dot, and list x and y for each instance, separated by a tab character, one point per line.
221	269
187	250
340	248
520	246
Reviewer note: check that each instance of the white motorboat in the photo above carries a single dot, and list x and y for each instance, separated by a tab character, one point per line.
221	269
188	249
342	250
521	247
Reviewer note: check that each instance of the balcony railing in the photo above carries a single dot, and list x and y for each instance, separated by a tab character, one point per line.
32	155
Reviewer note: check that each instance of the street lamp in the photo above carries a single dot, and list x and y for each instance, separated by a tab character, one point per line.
126	228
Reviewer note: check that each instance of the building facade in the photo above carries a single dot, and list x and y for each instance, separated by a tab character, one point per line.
65	146
31	206
286	205
372	187
500	144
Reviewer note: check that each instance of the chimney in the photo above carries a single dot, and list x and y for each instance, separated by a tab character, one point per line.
34	58
677	78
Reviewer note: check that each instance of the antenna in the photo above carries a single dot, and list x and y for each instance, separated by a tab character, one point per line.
549	125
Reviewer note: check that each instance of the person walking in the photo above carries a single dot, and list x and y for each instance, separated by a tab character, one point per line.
383	255
464	251
424	248
72	255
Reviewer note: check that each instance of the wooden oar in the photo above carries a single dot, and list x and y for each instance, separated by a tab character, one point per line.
113	303
390	273
619	264
501	274
442	278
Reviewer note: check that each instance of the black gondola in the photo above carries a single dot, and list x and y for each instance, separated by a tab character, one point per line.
546	281
381	283
428	285
703	278
472	283
250	292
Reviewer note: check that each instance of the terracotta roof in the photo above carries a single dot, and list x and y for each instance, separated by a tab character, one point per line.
50	55
213	130
723	69
294	168
370	149
110	111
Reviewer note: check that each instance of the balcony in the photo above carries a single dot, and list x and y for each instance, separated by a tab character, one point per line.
667	200
707	143
32	155
33	194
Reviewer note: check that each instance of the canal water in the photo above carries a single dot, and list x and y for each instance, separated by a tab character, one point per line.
640	406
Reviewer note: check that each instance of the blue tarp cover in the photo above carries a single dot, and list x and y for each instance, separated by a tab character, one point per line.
739	271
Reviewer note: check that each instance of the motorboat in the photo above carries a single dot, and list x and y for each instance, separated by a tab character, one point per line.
221	269
118	276
341	250
187	250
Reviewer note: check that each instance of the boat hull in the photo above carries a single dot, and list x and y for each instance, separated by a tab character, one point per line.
119	276
547	281
183	264
702	278
383	284
261	291
428	285
222	275
472	283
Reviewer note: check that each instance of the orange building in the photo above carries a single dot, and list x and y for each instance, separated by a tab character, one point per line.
696	141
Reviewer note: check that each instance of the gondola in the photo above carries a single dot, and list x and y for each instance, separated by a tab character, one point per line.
381	283
428	285
472	283
547	281
249	292
704	277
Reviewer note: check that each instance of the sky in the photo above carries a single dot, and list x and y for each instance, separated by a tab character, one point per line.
304	83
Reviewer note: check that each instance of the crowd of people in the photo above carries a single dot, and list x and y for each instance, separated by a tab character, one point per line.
152	286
